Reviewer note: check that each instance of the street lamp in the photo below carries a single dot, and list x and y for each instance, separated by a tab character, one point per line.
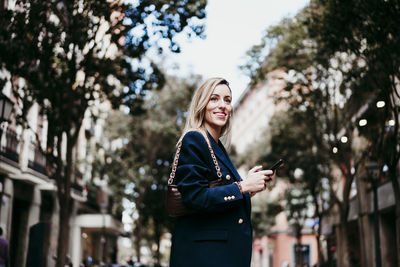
374	173
5	107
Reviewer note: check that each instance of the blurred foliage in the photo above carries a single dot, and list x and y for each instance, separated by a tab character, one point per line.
299	206
137	161
369	30
73	54
304	161
341	57
264	211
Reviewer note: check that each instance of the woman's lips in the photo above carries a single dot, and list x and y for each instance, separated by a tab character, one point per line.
221	115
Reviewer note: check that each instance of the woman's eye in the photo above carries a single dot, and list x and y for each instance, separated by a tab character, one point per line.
213	99
228	100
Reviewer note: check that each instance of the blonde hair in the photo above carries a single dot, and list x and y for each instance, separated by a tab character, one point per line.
197	108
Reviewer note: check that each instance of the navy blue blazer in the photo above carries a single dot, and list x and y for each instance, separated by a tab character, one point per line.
219	233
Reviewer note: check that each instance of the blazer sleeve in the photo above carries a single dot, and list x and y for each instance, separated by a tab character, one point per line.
195	170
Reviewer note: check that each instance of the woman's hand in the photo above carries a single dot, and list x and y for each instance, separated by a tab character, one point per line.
257	180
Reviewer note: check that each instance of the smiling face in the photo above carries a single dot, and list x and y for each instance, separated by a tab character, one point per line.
218	109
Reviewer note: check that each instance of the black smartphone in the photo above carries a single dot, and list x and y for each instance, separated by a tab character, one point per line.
276	165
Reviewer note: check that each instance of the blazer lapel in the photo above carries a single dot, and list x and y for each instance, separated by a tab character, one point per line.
223	157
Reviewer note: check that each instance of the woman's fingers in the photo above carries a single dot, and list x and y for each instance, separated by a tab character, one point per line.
258	179
255	169
266	173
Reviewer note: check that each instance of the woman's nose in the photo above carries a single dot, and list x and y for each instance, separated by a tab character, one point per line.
222	103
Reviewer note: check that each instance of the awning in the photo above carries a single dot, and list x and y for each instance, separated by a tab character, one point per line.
99	221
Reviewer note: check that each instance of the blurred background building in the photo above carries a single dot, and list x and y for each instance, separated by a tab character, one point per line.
28	195
278	246
28	191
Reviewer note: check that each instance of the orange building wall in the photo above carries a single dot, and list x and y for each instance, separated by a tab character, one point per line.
278	250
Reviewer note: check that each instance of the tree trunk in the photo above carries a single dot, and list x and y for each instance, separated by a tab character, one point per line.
319	215
396	191
64	198
362	204
138	239
299	251
320	256
63	237
157	234
343	246
393	168
398	232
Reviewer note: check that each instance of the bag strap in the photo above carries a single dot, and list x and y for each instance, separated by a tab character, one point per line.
178	151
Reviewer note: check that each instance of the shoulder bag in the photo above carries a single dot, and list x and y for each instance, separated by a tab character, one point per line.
174	204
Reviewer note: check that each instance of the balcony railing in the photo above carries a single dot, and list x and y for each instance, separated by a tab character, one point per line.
39	160
9	145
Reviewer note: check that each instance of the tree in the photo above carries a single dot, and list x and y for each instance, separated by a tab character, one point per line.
323	98
70	53
369	30
307	167
298	207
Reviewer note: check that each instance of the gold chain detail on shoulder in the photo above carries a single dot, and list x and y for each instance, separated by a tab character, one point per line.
176	158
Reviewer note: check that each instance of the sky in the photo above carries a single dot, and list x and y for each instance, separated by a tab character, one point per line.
232	28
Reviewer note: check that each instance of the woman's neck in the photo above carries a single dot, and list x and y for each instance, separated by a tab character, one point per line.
215	132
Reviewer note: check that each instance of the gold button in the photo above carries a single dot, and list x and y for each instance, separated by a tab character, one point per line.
229	198
225	198
233	197
228	177
240	221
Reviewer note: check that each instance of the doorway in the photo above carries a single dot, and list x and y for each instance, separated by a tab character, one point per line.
19	232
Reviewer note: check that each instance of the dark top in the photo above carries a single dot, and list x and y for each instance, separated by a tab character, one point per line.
3	251
220	232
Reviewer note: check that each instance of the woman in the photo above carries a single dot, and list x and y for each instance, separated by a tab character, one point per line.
219	232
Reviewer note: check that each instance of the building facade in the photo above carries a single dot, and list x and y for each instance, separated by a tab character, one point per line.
254	109
252	114
29	210
29	207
